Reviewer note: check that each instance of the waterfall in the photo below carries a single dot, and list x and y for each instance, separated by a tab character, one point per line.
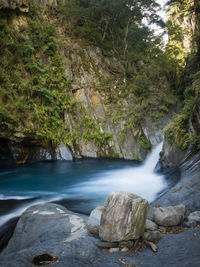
140	180
153	158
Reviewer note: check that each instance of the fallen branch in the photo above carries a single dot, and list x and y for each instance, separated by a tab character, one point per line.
151	245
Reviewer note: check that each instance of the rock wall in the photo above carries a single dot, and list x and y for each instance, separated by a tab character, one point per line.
96	76
184	17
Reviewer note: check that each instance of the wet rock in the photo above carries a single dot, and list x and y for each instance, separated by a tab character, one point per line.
183	180
52	233
123	218
152	236
169	216
150	225
93	223
63	153
174	250
189	224
193	219
194	216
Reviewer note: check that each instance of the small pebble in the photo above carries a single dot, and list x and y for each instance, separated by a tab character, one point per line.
124	250
112	250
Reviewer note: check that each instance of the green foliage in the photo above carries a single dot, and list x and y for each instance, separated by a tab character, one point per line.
184	130
141	85
34	96
115	25
143	142
92	132
34	93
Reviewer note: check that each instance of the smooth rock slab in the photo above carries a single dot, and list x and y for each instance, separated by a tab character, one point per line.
93	223
123	218
53	231
169	216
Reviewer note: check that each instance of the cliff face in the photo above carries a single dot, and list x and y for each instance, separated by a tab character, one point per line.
183	26
68	98
182	135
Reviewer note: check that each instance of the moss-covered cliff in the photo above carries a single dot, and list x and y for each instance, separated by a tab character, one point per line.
183	133
57	88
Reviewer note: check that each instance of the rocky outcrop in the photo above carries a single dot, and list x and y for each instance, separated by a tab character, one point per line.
123	217
169	216
50	234
183	179
29	151
104	123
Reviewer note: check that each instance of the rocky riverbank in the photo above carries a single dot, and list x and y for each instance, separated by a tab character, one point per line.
51	235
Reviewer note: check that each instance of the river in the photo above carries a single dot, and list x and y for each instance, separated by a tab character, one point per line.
80	185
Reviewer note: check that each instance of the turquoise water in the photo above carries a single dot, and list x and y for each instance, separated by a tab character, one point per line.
79	185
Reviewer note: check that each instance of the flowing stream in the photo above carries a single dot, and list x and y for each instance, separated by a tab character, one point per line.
79	186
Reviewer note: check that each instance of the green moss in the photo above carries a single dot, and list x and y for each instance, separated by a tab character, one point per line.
91	131
143	142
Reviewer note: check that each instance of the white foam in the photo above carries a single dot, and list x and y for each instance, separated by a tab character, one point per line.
17	212
138	180
2	197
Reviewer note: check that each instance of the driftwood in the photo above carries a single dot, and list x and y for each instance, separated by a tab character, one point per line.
151	245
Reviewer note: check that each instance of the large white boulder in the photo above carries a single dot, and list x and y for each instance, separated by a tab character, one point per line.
123	217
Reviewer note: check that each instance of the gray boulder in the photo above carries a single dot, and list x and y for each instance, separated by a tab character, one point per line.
193	219
194	216
152	236
169	216
93	223
123	218
50	233
151	226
